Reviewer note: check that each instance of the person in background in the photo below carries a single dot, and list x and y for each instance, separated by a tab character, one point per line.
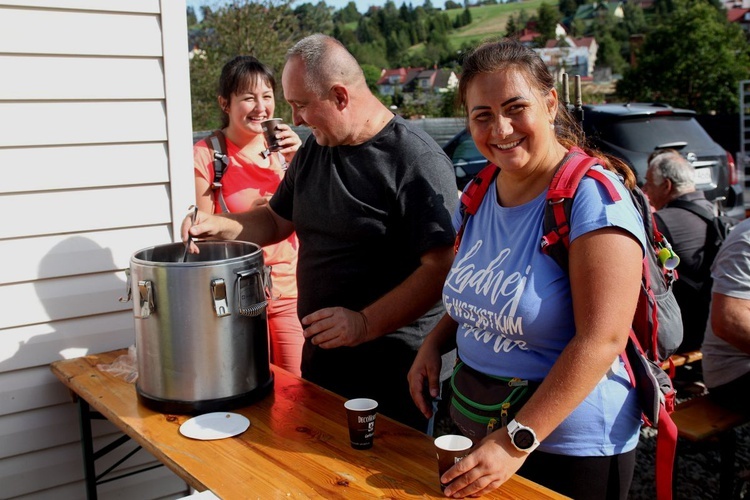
246	98
513	312
669	183
726	346
370	197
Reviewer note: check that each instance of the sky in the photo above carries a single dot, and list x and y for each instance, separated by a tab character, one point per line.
362	5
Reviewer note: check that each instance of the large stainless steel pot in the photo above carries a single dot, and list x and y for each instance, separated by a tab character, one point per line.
201	331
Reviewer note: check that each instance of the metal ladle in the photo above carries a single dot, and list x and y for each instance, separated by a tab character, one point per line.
190	236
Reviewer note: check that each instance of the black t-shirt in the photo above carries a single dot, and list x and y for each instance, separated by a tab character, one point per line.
364	215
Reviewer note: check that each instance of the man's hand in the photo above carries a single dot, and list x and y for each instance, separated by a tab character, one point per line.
335	327
207	226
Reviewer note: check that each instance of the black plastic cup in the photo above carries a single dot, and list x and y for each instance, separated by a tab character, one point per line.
361	413
269	131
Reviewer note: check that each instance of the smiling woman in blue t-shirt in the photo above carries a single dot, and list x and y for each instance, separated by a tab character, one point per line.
513	312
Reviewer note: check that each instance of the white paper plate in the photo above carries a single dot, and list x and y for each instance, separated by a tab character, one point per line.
217	425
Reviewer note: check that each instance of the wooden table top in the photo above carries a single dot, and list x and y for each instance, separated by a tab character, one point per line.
297	445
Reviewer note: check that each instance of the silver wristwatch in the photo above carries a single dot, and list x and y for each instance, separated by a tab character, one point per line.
522	437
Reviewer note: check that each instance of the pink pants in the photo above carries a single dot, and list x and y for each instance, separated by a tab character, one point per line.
285	334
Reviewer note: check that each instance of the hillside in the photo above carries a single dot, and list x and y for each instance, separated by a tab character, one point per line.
488	21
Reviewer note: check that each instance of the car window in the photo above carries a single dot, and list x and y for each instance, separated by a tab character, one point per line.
649	133
466	150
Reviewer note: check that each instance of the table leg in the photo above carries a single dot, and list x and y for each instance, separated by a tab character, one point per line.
87	443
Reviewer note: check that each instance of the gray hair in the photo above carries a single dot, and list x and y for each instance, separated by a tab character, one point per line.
326	61
673	166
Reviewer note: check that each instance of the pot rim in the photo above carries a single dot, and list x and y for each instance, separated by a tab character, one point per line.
256	250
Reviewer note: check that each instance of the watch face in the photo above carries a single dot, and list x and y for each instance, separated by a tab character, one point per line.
524	439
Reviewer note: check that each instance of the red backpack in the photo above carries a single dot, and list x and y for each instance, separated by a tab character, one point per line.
657	324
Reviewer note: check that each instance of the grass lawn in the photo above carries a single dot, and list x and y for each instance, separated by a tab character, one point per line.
487	21
490	20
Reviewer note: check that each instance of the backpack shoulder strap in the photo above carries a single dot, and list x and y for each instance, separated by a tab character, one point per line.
698	210
717	229
218	144
472	197
559	201
474	192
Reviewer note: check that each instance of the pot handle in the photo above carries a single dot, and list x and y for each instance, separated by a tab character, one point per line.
145	304
128	292
245	294
219	297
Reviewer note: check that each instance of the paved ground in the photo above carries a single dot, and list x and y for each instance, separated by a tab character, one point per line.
696	474
697	470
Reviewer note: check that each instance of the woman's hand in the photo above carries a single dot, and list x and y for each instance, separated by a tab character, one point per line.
424	376
492	463
288	140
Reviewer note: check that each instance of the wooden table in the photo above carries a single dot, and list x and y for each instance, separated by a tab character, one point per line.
297	445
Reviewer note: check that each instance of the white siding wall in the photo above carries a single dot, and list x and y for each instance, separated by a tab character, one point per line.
96	163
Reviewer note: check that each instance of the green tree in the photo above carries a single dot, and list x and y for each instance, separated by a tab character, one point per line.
634	20
396	44
567	7
694	59
192	19
372	53
314	18
449	104
547	18
464	19
578	27
348	14
522	19
344	35
511	27
372	75
367	30
609	54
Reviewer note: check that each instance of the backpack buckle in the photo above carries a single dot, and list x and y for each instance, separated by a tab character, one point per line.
221	157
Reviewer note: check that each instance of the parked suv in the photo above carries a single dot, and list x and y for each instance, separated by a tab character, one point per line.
632	132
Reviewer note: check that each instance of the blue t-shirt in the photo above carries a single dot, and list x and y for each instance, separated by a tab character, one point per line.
515	314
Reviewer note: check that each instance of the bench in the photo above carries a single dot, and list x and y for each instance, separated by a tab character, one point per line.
701	419
682	358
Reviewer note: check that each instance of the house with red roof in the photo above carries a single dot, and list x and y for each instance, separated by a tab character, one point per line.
740	16
407	80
